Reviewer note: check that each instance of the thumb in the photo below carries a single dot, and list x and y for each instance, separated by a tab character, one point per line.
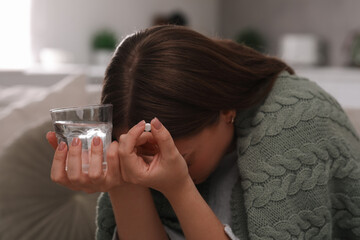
162	137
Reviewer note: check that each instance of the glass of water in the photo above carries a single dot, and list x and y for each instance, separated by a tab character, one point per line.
84	123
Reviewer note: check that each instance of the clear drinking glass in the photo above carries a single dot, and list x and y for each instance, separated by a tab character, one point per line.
84	122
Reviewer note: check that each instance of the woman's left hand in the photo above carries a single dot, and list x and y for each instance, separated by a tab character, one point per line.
165	170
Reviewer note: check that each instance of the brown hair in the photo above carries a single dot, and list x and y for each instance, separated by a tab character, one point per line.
184	78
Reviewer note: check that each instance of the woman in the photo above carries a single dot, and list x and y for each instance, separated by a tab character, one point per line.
240	147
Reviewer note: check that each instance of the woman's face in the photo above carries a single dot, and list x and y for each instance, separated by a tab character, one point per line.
204	150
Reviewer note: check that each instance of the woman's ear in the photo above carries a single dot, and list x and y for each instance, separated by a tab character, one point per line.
228	116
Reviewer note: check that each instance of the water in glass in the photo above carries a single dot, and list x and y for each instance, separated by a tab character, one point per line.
85	131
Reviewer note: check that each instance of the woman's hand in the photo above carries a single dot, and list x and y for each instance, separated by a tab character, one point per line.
165	170
96	180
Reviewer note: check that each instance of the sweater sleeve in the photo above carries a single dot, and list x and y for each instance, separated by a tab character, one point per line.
105	219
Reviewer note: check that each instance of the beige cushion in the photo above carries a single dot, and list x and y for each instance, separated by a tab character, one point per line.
31	205
31	106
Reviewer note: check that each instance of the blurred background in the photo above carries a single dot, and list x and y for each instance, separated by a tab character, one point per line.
54	53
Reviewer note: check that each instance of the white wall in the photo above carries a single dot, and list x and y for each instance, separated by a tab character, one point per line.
14	34
69	24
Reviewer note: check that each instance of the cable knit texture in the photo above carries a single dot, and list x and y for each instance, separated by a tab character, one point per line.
299	164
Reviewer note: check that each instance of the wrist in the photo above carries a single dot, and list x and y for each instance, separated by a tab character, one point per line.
183	190
126	189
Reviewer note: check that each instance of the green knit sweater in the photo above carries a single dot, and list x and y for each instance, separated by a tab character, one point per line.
299	166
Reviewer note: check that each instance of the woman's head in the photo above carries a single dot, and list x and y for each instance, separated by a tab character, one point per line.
184	78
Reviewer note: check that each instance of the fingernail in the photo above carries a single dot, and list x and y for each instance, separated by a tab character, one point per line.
96	141
75	142
141	123
156	123
48	134
61	146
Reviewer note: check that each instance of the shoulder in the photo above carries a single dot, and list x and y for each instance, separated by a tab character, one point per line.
289	90
295	106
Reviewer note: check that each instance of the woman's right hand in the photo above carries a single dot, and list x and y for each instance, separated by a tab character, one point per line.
96	180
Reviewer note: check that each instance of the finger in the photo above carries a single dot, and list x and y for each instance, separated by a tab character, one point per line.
132	166
146	144
148	159
74	165
128	141
96	173
162	136
144	138
133	169
113	175
51	137
58	173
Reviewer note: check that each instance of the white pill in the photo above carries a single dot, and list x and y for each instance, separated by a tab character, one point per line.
147	127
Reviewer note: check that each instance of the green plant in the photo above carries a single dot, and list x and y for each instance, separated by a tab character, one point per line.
104	40
252	38
355	50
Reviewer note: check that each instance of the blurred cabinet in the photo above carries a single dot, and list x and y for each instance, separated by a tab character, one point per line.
342	83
